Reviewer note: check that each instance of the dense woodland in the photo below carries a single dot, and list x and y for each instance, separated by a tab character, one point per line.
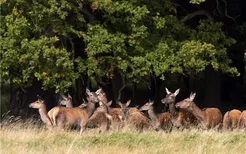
132	49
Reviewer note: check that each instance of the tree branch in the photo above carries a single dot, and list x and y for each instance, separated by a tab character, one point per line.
227	14
123	79
196	13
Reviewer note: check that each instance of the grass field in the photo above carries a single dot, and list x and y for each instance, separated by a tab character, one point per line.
30	138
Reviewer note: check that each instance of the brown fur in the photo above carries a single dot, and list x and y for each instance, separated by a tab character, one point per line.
132	116
114	112
180	118
230	119
100	118
242	120
63	116
209	117
40	105
159	120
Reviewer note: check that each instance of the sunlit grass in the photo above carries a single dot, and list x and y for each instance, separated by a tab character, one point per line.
30	137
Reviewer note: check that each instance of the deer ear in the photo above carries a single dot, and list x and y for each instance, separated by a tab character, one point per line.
192	96
176	92
40	98
128	102
151	102
119	103
87	90
110	103
168	92
69	96
100	103
98	91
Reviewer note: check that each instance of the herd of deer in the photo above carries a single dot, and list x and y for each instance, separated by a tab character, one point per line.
181	115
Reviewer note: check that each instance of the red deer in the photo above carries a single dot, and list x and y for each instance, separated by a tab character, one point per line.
242	120
180	117
40	105
100	118
231	118
159	120
133	116
114	112
63	116
208	117
67	101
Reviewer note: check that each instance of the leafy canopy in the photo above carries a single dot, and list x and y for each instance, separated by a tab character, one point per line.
138	38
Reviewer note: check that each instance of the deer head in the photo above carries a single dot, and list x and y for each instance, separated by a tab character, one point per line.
38	103
186	103
170	97
65	100
147	106
124	109
91	96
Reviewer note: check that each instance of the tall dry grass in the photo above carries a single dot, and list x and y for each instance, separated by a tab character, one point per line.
31	137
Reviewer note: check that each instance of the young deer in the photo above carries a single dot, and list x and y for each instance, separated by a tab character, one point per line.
100	118
66	100
242	120
159	120
180	117
62	116
40	105
133	116
231	118
114	112
208	117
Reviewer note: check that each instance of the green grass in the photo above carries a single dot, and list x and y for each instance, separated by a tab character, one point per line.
30	137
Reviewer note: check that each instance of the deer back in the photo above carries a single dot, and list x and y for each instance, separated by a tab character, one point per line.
242	120
213	117
230	119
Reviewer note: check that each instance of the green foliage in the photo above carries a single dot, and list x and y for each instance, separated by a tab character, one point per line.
196	1
138	38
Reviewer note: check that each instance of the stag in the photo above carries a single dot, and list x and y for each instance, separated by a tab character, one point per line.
208	117
180	117
231	119
159	120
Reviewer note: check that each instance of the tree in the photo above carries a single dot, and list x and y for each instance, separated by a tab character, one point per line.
136	39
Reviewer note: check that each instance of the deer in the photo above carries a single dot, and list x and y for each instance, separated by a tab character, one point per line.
208	117
66	100
63	116
114	112
100	118
133	116
159	120
242	120
180	118
231	119
41	106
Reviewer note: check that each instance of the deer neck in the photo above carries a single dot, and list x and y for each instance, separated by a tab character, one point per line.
44	116
104	99
173	109
152	113
69	104
197	112
90	108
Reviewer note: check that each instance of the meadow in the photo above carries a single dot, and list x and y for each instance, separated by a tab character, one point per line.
31	137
